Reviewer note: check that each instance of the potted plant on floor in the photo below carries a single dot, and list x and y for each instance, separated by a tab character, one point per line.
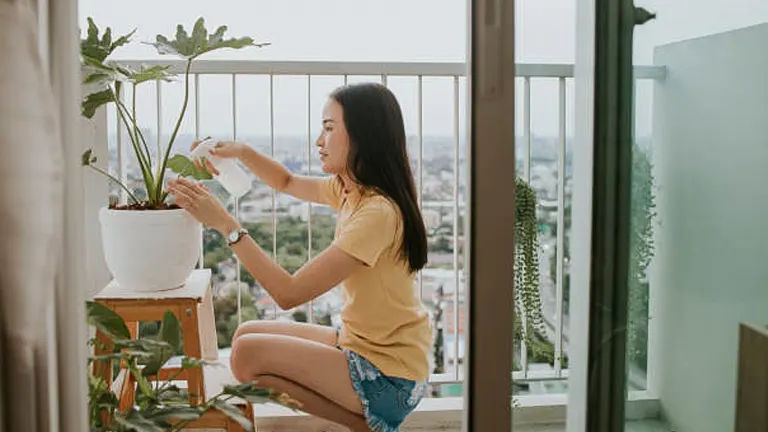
158	405
149	243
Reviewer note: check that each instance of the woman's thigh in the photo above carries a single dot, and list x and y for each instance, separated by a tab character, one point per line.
313	365
314	332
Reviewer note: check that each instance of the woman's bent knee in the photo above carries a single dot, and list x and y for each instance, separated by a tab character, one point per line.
241	366
248	327
244	360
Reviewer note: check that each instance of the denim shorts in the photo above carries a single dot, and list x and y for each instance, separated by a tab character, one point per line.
387	401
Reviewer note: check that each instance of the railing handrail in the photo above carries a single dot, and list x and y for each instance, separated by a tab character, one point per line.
528	72
339	68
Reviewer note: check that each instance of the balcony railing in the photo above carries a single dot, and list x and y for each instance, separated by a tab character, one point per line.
249	81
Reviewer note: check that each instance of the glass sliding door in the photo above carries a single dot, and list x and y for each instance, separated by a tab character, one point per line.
698	215
673	113
603	192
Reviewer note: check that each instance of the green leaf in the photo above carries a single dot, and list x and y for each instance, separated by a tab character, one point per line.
177	413
259	395
85	159
249	392
157	361
143	383
106	321
93	101
136	422
97	78
148	345
184	167
127	355
92	45
122	40
94	64
193	363
100	48
150	73
173	395
200	42
232	412
106	40
170	333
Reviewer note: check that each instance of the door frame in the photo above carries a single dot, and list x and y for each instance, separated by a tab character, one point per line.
490	289
605	83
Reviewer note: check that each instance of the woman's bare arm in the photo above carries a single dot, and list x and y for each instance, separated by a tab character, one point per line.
319	275
278	177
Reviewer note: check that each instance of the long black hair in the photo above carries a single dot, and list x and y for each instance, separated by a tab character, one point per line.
378	158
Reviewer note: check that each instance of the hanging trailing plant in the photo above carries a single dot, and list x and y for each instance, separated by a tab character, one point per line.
641	251
527	294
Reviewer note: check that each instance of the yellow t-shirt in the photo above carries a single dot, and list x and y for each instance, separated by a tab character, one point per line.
383	318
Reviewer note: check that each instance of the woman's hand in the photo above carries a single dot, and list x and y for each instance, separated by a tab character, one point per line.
223	150
199	202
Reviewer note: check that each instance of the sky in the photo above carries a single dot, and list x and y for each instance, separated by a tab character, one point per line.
384	31
335	30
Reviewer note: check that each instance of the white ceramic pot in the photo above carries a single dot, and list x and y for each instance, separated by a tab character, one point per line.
150	250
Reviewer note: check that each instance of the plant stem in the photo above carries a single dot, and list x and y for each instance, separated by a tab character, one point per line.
137	130
146	171
164	162
169	380
125	116
138	137
119	183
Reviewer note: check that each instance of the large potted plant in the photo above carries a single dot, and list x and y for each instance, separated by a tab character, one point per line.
149	243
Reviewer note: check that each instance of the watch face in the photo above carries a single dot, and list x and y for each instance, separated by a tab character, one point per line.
233	236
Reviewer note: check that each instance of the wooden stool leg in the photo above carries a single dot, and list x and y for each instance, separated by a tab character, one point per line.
103	368
233	426
128	390
207	327
191	336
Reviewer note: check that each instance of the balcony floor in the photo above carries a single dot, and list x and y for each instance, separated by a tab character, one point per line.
634	426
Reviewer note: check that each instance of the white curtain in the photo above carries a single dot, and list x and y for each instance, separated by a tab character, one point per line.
42	328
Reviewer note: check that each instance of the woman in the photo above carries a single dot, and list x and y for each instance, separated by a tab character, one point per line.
371	373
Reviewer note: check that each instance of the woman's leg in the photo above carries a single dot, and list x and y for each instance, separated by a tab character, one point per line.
315	404
314	332
316	367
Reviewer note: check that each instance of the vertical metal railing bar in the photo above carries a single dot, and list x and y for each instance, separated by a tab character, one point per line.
201	263
420	160
527	176
311	314
560	252
236	204
456	326
272	153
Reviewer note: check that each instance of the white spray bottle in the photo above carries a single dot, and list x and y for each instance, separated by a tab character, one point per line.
233	178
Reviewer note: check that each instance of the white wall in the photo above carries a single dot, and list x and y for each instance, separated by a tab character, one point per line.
679	20
711	151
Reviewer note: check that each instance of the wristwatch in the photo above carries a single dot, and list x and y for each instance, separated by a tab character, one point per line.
234	236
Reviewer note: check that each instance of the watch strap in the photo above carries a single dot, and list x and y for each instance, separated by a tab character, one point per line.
242	232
